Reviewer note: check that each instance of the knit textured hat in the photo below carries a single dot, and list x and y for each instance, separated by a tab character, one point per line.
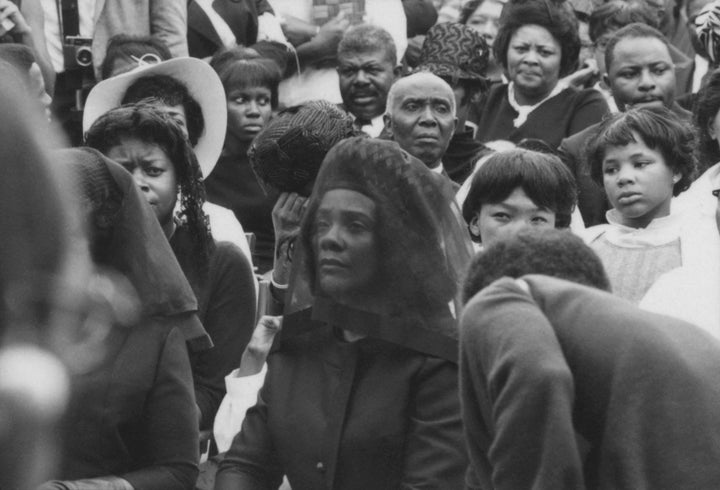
288	152
454	51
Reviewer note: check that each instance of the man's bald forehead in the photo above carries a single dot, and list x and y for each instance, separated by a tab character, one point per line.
422	78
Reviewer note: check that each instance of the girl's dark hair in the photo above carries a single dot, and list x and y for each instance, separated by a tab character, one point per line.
543	177
243	67
707	106
658	128
146	123
172	92
126	45
556	17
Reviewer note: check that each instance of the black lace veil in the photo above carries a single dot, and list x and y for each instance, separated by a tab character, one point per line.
424	250
125	236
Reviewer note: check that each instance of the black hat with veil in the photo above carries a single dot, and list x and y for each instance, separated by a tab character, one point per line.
423	250
126	236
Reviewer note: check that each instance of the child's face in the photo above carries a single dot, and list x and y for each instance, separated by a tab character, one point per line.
638	182
496	221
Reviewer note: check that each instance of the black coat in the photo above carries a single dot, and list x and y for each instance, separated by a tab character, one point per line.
334	414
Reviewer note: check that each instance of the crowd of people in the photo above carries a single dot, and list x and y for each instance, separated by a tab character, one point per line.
306	244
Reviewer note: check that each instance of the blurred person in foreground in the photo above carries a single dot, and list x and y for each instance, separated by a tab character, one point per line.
565	386
132	420
42	273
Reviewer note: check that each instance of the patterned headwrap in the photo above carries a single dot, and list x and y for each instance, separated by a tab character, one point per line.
707	27
288	152
454	51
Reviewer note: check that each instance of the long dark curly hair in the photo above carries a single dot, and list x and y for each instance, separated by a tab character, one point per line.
146	123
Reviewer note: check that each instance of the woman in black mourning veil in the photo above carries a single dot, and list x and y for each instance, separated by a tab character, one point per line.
132	419
361	388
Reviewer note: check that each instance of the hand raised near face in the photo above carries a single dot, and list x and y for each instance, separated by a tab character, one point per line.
11	20
259	346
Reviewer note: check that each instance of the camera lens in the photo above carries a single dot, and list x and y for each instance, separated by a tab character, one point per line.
83	56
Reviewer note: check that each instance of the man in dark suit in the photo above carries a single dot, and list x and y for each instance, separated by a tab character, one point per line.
565	386
367	67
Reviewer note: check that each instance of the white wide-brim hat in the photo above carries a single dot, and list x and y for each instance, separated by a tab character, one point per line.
202	83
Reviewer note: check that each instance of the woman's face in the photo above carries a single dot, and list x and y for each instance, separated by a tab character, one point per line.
533	63
638	182
345	245
496	221
249	110
486	19
153	172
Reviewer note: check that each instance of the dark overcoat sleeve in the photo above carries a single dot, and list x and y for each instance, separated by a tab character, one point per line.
517	395
169	429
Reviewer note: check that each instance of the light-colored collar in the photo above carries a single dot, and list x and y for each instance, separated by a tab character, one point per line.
525	110
438	169
377	124
699	70
659	232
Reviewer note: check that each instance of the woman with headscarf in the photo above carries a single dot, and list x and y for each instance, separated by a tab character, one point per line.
537	44
132	419
361	391
148	143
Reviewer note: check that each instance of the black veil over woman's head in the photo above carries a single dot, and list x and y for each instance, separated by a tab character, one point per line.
126	237
423	247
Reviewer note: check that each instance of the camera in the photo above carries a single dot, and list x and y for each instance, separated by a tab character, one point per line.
77	51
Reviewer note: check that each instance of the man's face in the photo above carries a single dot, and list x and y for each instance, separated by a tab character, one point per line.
365	79
421	119
642	74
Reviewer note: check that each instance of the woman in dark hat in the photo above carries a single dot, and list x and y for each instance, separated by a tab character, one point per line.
459	55
483	16
538	44
361	390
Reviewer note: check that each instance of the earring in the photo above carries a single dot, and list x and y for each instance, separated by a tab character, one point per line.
676	179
